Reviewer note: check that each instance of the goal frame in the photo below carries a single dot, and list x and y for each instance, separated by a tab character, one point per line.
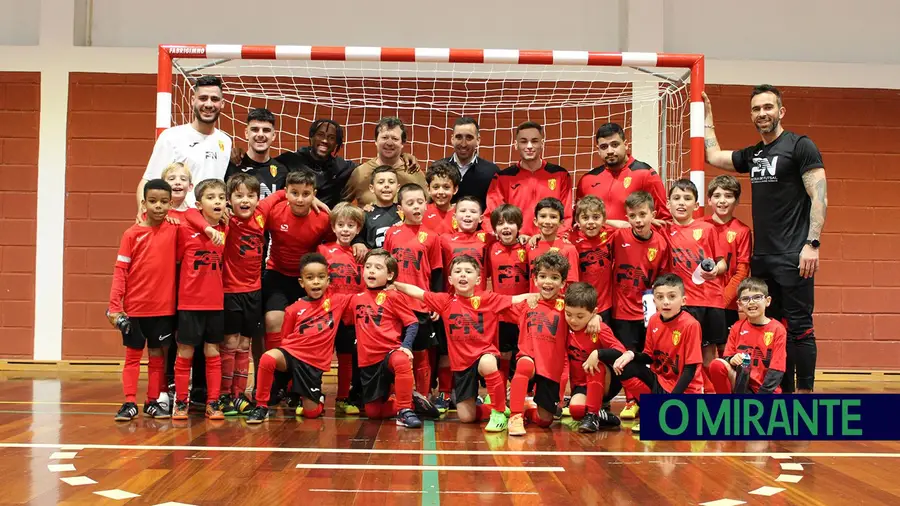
694	62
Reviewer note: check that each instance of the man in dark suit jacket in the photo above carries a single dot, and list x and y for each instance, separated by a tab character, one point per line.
476	172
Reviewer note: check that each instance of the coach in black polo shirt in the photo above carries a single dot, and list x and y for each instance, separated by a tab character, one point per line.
476	172
787	178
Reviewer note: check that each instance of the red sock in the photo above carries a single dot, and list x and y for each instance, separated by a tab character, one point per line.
503	367
344	374
155	369
524	371
445	380
718	375
273	340
182	377
708	387
241	371
634	388
577	411
130	373
483	412
595	388
422	367
403	378
531	414
213	377
265	375
315	412
496	388
228	357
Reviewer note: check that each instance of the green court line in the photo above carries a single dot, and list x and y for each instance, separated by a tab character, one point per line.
431	490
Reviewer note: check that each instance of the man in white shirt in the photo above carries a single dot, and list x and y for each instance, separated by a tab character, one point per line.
203	148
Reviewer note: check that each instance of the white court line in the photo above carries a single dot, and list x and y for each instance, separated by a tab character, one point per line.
791	466
60	468
377	467
789	478
63	455
461	492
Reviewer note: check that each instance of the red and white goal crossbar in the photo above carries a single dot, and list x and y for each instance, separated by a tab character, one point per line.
694	62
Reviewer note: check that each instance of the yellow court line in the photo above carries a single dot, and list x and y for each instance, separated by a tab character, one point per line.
67	403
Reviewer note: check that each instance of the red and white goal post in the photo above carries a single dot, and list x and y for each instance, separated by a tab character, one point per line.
656	97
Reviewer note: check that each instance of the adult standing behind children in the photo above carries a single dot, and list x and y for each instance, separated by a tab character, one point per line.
256	161
390	138
475	172
790	198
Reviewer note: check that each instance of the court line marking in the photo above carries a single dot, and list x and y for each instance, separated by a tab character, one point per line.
431	487
62	455
379	467
366	491
73	403
791	466
789	478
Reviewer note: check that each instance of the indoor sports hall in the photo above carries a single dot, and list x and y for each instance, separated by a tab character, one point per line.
87	87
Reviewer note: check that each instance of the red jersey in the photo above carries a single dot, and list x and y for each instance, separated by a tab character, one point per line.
310	326
766	345
636	265
144	279
582	344
508	268
688	246
344	273
380	318
418	252
200	283
471	324
614	187
735	243
460	243
595	263
673	345
543	335
524	188
441	222
563	248
294	236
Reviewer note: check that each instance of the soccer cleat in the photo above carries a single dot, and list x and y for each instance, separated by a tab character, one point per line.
181	410
424	407
259	415
227	405
589	424
214	411
407	418
299	410
565	411
516	425
164	400
607	420
153	409
127	412
293	400
344	406
497	423
442	402
242	405
630	411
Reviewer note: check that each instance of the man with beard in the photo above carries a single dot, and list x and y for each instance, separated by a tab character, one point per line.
256	162
476	172
390	138
621	176
199	145
787	178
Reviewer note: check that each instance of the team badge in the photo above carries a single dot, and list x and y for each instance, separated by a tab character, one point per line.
553	250
730	236
221	146
476	302
698	233
521	255
454	225
261	221
422	237
273	169
676	337
594	337
626	182
651	253
603	236
768	337
560	304
481	236
551	183
326	306
379	299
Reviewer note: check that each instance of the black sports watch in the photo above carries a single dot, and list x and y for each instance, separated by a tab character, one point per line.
814	243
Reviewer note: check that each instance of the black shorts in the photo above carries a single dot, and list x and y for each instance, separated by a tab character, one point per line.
198	327
509	337
307	380
152	331
546	393
731	317
631	333
279	291
440	338
649	378
376	380
712	324
425	338
244	315
465	383
345	339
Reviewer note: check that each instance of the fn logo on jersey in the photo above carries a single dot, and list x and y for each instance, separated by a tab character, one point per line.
763	171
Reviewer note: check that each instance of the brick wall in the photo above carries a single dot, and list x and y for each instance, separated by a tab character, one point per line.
857	321
19	117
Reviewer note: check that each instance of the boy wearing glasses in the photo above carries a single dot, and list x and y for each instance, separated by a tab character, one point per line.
758	336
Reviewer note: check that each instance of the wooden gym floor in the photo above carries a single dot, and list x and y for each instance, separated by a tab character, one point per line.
59	444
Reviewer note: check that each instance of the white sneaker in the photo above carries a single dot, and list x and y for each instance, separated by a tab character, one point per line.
163	400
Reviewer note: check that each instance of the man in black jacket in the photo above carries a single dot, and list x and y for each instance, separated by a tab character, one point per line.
476	172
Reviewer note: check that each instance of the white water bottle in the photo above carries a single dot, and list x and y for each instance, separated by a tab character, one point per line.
706	265
649	306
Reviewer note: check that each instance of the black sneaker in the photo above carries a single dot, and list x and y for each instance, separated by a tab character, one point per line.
424	407
607	420
406	418
154	409
226	402
127	412
242	405
259	415
589	424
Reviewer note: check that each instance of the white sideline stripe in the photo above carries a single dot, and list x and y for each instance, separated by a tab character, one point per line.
163	109
378	467
358	53
77	481
231	51
60	468
631	59
501	56
723	502
781	457
767	491
385	451
63	455
791	466
461	492
789	478
293	52
698	121
117	494
570	57
433	54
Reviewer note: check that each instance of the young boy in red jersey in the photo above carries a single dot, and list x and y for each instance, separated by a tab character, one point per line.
672	349
201	316
443	182
759	336
470	323
639	256
304	354
549	214
385	213
380	320
295	231
592	383
179	178
735	239
593	242
143	296
691	243
345	275
507	267
418	254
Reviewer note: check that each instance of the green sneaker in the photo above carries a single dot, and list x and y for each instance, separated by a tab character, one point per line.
497	423
227	405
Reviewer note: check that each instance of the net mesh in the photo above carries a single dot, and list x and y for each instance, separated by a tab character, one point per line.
570	101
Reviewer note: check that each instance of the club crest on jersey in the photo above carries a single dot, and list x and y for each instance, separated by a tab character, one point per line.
481	236
422	237
521	253
380	298
476	302
698	233
651	253
273	169
554	249
560	304
603	236
221	146
730	236
626	182
768	337
326	306
261	221
551	183
594	337
676	337
454	225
